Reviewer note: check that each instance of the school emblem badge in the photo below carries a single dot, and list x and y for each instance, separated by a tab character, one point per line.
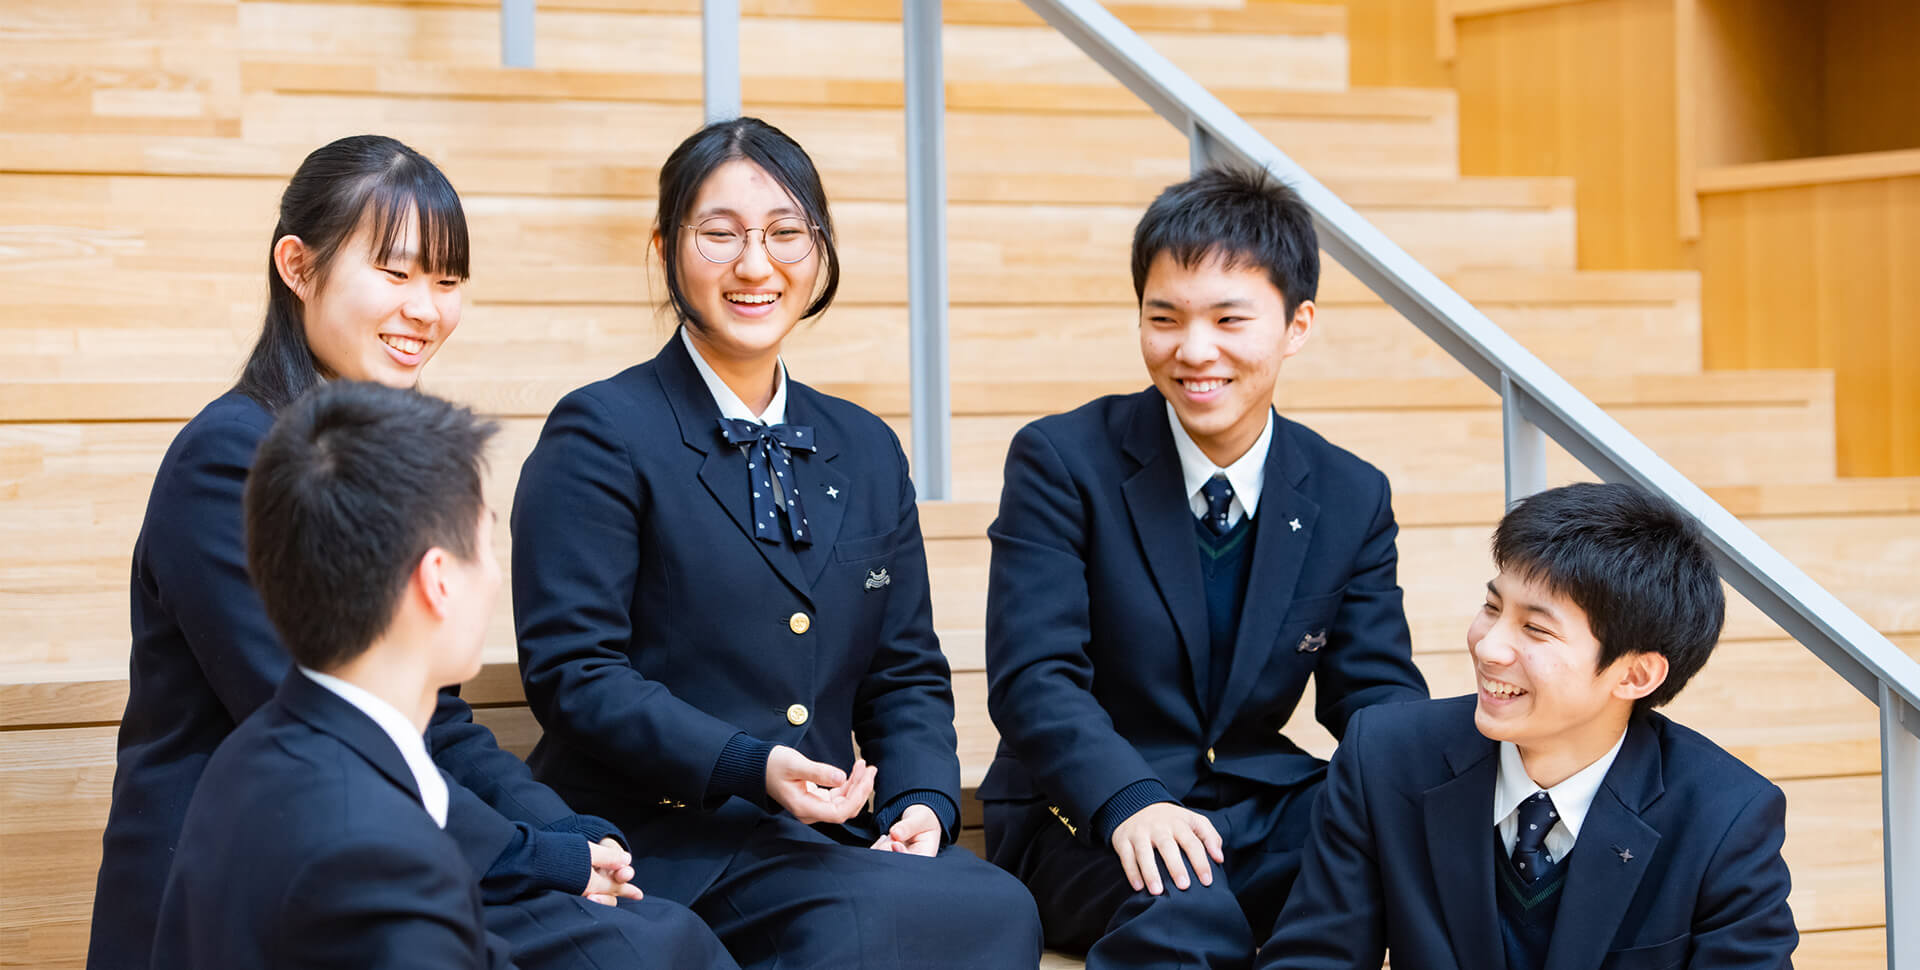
1312	642
878	578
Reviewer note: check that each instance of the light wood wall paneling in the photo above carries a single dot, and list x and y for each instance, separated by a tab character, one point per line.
1821	275
1585	89
1394	43
1872	80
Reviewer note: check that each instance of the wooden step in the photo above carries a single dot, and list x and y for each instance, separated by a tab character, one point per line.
773	47
856	344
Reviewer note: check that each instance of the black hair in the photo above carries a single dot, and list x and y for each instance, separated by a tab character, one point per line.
363	179
1241	217
1634	562
752	140
354	484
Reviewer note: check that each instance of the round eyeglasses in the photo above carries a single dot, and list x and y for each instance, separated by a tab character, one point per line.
721	240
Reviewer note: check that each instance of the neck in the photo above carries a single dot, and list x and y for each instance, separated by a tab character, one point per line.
752	379
1231	445
397	676
1551	763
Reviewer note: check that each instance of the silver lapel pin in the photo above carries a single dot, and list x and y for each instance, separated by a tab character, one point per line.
1626	855
877	578
1312	642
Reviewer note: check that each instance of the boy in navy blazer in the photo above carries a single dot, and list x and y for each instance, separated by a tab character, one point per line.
1553	821
1169	569
315	837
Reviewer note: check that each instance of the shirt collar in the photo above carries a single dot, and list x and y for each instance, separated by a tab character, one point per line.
1247	474
1571	798
413	747
730	404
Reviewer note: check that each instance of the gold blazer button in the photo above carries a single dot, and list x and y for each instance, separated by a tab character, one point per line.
1209	756
799	623
797	714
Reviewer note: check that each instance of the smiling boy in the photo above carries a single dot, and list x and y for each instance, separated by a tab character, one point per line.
1170	568
1553	820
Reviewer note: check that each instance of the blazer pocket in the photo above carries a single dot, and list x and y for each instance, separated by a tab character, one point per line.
855	550
1308	622
1658	956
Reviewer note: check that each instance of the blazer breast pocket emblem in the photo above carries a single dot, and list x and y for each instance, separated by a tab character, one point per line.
1312	642
878	578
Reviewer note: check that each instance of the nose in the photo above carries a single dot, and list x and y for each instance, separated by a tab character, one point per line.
753	262
1494	648
1196	345
420	305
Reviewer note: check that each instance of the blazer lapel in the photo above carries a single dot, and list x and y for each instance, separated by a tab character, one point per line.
823	489
1279	552
698	415
329	713
1613	851
1163	520
1459	823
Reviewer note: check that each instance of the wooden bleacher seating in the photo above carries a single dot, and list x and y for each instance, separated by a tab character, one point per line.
136	192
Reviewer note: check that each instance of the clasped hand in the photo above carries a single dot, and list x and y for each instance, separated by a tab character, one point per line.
1172	831
610	877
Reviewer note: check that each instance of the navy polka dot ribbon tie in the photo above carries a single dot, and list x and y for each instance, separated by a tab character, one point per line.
1537	818
770	476
1219	496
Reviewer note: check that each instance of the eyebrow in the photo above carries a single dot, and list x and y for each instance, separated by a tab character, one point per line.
1234	303
773	213
1540	608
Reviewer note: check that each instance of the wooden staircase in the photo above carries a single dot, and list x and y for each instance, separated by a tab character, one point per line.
144	143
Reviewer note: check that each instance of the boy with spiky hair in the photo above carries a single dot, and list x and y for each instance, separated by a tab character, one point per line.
1553	820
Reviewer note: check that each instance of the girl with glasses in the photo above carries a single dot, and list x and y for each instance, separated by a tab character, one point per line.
720	589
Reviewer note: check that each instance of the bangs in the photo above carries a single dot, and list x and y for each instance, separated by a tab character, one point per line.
406	191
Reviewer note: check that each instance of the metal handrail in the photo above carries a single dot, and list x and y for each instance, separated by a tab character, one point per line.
1538	401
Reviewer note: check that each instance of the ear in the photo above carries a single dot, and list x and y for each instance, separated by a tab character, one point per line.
294	262
1298	329
433	578
1644	674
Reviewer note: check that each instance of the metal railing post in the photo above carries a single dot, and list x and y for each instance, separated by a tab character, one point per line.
1199	147
1524	444
516	33
720	58
926	103
1900	823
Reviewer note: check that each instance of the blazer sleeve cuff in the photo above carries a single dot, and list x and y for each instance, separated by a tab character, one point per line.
593	827
538	861
1125	803
741	770
943	809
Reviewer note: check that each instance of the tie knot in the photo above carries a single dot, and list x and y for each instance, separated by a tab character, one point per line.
1537	817
1219	496
792	436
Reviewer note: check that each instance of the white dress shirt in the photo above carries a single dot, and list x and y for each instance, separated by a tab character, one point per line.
413	747
1571	798
1247	473
730	404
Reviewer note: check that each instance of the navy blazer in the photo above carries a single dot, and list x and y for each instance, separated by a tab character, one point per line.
306	845
1097	641
1677	864
654	627
205	656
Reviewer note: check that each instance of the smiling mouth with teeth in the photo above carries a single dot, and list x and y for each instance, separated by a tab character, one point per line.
1202	387
752	299
405	345
1498	689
